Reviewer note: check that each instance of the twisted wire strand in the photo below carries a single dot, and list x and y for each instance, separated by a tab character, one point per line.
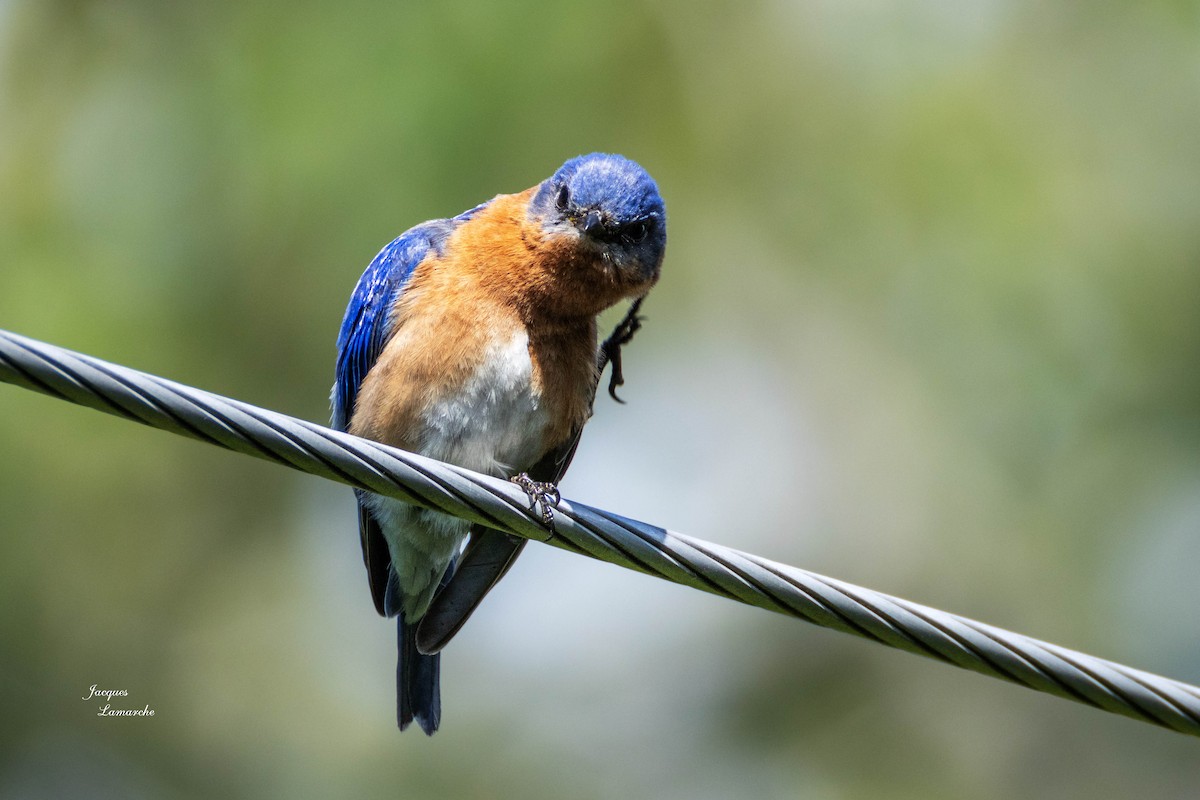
601	534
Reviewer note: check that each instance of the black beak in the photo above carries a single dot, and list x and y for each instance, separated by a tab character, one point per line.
592	224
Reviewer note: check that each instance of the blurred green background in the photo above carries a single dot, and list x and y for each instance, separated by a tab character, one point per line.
929	322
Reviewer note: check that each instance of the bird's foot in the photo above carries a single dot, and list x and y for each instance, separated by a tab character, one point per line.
543	497
610	350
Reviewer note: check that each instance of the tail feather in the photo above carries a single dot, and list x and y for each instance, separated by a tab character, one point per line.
418	683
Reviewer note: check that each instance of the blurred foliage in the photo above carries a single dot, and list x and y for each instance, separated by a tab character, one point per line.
929	322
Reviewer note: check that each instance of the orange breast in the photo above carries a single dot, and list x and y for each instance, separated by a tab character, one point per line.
449	374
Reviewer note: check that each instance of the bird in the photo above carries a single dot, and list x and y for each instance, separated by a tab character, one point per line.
473	340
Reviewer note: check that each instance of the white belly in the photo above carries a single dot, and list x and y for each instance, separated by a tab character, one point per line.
495	425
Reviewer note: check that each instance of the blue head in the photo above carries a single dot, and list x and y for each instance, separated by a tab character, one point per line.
611	209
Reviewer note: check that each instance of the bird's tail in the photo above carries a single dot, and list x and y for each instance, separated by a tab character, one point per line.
418	682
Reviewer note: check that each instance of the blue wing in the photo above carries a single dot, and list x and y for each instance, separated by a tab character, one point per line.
366	327
365	331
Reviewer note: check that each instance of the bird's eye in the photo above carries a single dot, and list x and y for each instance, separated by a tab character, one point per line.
635	232
563	198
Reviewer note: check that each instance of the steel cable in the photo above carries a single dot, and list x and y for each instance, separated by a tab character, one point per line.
823	601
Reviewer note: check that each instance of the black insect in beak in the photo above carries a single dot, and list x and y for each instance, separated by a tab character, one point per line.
592	224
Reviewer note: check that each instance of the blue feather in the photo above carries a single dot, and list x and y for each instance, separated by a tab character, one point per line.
367	325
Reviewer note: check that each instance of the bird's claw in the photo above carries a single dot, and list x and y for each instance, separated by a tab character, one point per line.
610	351
543	497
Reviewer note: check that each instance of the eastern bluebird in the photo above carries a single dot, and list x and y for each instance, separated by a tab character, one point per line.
473	340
